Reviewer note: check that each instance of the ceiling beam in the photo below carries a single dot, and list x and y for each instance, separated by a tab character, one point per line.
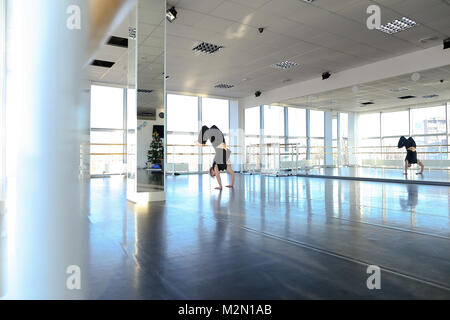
417	61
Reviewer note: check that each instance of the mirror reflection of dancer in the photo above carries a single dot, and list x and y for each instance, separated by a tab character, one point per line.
222	157
411	154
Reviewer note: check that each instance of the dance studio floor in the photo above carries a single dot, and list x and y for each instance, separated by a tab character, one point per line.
429	176
270	238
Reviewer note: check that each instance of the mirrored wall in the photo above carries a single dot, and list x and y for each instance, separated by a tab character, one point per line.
354	132
146	101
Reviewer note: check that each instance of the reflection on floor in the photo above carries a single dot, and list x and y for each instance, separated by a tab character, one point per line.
433	176
270	238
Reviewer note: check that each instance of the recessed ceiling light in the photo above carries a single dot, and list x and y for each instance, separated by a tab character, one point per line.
397	26
399	89
430	96
207	48
224	86
171	14
285	65
428	39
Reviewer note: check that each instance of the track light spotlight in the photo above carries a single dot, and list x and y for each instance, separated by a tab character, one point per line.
171	14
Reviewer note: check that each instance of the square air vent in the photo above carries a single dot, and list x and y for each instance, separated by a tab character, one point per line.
207	48
224	86
102	63
144	91
407	97
118	42
285	65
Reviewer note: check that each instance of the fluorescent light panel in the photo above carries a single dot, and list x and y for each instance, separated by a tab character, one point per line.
397	26
224	86
285	65
207	48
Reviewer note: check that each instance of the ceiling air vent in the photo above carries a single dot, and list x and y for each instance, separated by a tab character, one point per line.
102	63
407	97
367	103
144	91
207	48
118	42
285	65
224	86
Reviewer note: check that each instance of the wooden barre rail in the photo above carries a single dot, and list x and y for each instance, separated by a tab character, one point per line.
193	145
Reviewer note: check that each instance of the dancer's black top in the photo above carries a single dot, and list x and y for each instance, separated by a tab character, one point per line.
217	138
411	156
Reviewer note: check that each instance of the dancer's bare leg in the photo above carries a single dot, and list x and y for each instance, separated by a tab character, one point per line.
406	167
231	172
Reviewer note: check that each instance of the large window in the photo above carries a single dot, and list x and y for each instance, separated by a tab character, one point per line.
369	125
317	124
215	112
184	121
107	131
252	137
253	121
317	134
274	121
395	124
183	127
428	120
429	127
182	113
297	131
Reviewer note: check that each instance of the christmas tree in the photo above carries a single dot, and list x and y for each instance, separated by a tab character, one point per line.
155	154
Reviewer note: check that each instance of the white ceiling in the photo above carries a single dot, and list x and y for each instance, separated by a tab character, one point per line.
382	93
327	35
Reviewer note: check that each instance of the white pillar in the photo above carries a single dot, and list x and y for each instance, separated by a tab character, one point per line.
352	138
46	123
237	135
328	134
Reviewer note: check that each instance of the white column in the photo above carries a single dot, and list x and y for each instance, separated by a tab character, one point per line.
3	225
237	136
328	134
352	138
45	132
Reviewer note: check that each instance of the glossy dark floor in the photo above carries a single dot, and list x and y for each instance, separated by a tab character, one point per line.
439	177
270	238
